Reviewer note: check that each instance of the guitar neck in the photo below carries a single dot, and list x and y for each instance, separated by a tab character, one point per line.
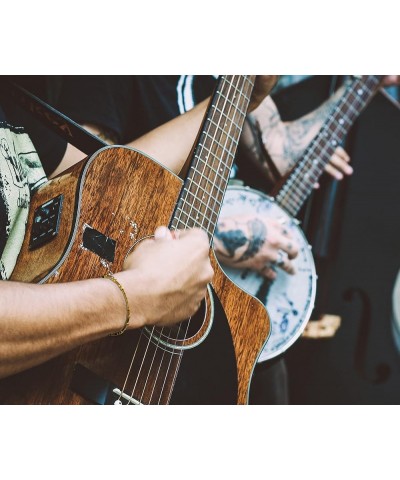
203	191
300	183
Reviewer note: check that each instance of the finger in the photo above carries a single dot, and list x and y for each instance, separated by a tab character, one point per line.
286	232
268	272
333	172
162	233
288	267
176	234
288	246
341	164
390	80
341	152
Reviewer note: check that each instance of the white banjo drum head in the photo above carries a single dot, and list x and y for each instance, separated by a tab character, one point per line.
289	299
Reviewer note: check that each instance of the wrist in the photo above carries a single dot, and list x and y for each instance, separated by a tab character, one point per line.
110	276
134	287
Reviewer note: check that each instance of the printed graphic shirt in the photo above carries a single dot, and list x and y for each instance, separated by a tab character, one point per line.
20	173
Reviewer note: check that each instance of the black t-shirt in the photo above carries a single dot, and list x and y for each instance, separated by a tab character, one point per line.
49	146
129	106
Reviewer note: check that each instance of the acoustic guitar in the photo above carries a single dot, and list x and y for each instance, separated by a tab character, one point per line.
83	223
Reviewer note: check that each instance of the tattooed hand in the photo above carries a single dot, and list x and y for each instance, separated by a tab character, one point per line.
285	142
253	241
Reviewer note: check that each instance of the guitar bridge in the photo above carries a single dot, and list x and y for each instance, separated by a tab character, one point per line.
131	400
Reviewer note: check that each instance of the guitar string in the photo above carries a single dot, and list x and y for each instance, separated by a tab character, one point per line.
178	219
294	197
329	130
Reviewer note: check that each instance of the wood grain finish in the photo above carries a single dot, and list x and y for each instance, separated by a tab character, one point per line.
32	266
249	323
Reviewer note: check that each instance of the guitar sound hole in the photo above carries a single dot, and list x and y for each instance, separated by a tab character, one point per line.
183	330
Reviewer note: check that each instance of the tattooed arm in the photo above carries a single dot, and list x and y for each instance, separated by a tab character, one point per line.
286	141
253	241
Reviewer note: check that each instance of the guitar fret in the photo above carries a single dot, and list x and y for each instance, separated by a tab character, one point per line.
236	107
199	213
214	140
351	107
189	192
251	85
226	116
207	165
230	154
203	189
233	139
191	222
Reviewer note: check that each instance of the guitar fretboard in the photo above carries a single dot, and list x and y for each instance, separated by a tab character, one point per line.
300	183
201	198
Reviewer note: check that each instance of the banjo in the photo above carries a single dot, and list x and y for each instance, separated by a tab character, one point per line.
289	299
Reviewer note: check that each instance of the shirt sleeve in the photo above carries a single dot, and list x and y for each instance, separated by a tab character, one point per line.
104	101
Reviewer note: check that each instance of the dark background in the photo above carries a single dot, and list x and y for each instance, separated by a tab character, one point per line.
357	261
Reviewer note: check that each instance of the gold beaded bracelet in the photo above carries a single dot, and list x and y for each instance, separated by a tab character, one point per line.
111	277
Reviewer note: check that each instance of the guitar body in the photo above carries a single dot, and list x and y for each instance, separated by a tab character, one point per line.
289	299
110	202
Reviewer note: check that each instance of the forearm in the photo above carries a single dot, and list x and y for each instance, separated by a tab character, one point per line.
285	142
171	143
301	132
39	322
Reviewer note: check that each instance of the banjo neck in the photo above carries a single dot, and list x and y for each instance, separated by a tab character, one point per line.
300	182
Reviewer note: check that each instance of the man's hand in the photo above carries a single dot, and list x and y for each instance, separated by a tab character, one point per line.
338	165
262	87
390	80
170	273
256	242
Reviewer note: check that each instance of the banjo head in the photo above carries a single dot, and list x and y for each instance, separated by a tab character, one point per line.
289	299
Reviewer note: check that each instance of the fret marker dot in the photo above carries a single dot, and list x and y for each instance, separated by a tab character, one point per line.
341	121
315	161
360	91
334	142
